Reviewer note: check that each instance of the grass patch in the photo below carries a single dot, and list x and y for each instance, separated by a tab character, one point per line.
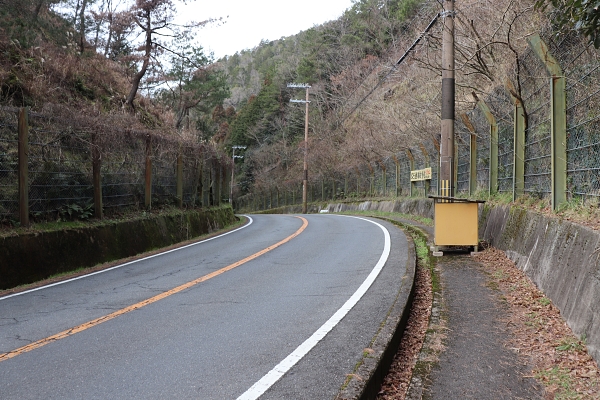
570	343
544	301
560	380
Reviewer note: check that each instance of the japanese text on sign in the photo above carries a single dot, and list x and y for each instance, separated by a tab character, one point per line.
420	175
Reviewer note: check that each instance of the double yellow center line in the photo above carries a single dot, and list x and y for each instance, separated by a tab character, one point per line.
98	321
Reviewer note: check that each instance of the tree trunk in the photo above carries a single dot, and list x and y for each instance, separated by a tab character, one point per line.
76	12
138	77
82	26
109	18
99	25
38	8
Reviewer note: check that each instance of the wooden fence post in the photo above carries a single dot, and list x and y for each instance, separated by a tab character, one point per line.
148	174
23	152
97	177
179	179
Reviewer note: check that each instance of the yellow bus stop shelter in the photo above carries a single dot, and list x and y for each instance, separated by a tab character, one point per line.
456	223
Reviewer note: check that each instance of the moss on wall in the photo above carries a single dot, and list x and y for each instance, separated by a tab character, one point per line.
28	258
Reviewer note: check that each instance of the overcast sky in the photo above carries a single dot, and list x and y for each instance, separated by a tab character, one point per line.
250	21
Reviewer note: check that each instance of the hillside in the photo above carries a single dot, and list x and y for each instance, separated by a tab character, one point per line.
370	117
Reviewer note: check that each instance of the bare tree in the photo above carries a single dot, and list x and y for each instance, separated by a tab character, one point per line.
155	19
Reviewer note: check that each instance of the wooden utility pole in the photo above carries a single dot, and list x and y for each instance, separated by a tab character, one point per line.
305	177
448	93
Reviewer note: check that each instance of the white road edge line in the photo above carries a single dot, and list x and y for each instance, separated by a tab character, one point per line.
284	366
250	220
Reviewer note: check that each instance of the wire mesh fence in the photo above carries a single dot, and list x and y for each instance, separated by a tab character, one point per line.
164	172
482	131
502	108
60	176
581	63
122	170
60	173
192	170
463	162
9	162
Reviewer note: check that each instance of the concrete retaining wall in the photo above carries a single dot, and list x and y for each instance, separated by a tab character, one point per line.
29	258
560	257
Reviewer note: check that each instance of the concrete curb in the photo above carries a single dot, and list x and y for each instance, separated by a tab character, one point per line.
367	379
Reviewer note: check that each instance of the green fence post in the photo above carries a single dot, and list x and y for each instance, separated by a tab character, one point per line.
519	127
397	177
371	180
472	153
428	164
384	176
558	120
493	184
413	184
436	145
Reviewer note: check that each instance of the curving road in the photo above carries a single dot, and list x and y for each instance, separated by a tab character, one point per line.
281	308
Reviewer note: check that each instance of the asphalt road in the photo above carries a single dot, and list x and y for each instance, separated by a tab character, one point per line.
136	332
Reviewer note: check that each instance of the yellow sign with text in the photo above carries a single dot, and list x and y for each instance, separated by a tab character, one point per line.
420	175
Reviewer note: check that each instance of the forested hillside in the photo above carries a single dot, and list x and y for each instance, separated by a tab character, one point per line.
346	59
369	116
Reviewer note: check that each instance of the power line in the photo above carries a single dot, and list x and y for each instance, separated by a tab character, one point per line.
400	60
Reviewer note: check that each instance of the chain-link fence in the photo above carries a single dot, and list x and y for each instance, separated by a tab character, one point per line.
581	64
502	108
462	136
538	141
482	131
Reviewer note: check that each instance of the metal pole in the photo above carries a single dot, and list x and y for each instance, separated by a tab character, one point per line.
305	179
448	92
233	157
